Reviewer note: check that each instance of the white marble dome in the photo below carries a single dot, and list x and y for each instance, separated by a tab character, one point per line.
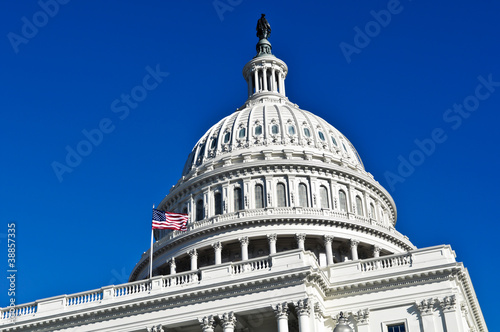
268	126
272	177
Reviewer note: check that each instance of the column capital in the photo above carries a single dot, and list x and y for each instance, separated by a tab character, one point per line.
207	323
217	245
448	303
426	306
155	328
300	236
354	243
328	238
303	307
272	237
193	253
227	319
171	261
362	316
243	240
376	250
280	310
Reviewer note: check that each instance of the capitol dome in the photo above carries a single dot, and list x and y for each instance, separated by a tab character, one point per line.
272	177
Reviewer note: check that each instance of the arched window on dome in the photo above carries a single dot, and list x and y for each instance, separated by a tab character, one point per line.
321	136
242	133
334	141
258	130
213	143
359	206
280	195
259	196
372	211
199	210
238	199
227	137
307	132
275	129
342	201
302	195
291	129
323	196
218	203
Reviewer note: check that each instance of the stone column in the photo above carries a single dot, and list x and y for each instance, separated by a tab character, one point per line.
218	252
281	312
256	80
303	309
273	80
283	84
244	248
452	318
354	249
228	321
300	240
264	77
376	251
207	323
172	266
194	259
362	320
272	243
426	314
328	248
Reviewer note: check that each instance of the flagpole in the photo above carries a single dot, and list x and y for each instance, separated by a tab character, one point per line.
151	253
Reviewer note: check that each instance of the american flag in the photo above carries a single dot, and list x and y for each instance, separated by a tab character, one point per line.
169	220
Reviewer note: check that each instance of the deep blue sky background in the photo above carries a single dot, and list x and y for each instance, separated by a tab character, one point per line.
90	229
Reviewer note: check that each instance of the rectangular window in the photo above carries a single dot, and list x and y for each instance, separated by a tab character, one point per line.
396	328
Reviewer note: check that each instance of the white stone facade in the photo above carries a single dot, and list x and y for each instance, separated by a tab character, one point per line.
286	231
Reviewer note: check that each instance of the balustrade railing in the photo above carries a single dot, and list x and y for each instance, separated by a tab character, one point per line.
180	279
255	265
385	263
132	288
18	311
87	297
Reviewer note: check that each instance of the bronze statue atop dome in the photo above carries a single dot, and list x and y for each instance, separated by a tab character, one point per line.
263	28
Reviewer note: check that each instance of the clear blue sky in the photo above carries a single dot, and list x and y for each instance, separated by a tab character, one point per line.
88	228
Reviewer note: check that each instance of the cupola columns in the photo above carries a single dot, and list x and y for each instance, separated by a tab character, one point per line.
265	74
